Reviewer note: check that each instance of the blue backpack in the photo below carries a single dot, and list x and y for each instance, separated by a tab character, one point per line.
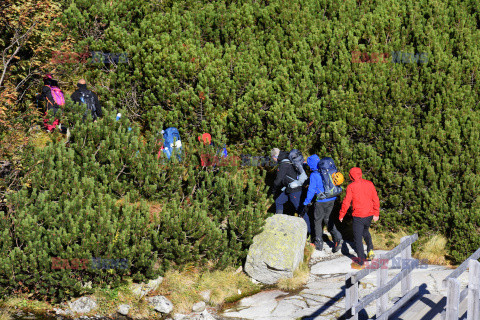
172	140
326	167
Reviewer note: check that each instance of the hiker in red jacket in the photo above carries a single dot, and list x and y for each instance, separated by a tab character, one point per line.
362	195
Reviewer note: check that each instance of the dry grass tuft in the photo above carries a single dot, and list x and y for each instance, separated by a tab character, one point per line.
6	315
387	241
184	288
434	250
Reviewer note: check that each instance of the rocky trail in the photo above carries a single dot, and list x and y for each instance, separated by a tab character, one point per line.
322	297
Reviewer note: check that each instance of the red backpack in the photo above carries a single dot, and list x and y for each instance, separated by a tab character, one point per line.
57	95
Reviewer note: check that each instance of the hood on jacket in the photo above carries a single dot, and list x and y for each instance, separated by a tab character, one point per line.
282	156
82	86
355	174
206	138
313	161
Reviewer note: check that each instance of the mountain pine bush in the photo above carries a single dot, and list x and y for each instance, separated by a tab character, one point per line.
256	75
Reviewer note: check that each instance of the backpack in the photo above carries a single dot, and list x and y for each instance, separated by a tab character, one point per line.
296	158
87	98
172	140
326	167
57	95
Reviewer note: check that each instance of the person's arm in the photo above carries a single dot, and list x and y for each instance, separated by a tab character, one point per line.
98	107
43	95
74	97
376	204
312	188
281	173
345	204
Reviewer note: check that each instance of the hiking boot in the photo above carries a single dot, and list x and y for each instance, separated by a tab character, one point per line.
337	246
370	255
319	246
357	266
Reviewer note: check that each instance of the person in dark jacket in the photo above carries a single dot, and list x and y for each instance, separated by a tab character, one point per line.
323	208
83	95
362	195
46	95
285	174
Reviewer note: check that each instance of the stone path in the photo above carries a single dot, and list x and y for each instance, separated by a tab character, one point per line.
322	297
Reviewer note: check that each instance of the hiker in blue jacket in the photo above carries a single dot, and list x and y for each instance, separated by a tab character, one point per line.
323	208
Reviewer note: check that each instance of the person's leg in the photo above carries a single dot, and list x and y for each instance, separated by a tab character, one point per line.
358	227
280	201
366	233
294	198
336	235
307	221
319	217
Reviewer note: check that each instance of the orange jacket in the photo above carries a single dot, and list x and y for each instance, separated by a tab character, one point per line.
362	195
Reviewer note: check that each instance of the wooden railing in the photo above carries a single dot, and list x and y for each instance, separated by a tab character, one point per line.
352	304
455	297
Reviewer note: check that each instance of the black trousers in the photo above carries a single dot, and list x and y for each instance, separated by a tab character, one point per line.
360	230
323	210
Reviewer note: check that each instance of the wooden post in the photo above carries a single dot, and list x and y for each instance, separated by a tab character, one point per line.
382	278
406	261
473	311
351	296
453	299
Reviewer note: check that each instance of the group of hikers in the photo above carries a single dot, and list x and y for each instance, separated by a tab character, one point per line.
324	185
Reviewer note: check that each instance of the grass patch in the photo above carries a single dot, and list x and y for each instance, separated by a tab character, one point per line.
300	275
434	249
23	302
387	241
185	288
108	300
6	315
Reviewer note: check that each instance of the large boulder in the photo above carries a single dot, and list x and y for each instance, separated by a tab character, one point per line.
83	305
278	250
142	289
161	304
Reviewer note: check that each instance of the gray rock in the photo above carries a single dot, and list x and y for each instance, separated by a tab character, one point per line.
83	305
123	309
206	295
161	304
199	306
179	316
63	312
206	315
142	289
278	250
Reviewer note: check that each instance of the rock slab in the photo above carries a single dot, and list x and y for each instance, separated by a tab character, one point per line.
142	289
83	305
123	309
161	304
278	250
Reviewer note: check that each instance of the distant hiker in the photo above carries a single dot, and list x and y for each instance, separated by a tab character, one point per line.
84	96
205	159
362	195
54	98
118	117
288	179
323	207
171	143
